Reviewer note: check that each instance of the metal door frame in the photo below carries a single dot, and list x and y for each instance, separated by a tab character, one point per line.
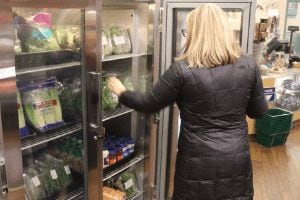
91	76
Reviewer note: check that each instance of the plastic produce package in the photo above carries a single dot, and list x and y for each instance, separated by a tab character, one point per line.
112	194
68	37
109	99
42	105
126	182
34	186
35	33
120	40
71	100
107	47
23	129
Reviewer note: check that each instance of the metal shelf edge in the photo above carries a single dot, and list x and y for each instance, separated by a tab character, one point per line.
79	127
125	167
47	68
117	115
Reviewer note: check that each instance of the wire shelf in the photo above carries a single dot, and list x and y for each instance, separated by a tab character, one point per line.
77	194
122	168
39	138
122	110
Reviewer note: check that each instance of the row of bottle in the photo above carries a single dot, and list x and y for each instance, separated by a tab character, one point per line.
117	149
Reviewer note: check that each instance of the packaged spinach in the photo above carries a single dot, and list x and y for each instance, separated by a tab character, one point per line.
34	186
120	40
127	183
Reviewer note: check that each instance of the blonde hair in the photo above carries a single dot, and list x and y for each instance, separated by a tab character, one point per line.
210	38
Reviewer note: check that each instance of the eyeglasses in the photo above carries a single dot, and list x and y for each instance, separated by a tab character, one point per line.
184	32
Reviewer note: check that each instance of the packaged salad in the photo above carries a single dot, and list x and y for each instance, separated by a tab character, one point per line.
109	99
41	104
34	186
23	129
107	47
120	40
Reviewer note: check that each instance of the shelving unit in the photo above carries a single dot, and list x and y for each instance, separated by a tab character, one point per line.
123	56
122	110
124	167
38	139
47	68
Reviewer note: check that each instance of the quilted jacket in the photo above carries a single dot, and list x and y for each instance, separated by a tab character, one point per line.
213	159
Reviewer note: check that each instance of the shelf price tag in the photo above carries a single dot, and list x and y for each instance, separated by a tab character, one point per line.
128	184
67	170
53	174
119	40
36	181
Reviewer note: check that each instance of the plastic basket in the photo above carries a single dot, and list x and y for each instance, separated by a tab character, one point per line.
271	140
275	121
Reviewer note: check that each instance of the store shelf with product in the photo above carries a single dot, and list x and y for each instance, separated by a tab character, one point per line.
39	138
119	111
44	68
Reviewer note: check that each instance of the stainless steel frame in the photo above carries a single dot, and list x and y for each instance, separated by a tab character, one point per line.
166	116
92	129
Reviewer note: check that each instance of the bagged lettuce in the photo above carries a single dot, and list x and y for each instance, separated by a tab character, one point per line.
67	37
42	105
23	129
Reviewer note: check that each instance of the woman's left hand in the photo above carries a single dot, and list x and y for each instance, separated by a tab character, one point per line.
116	86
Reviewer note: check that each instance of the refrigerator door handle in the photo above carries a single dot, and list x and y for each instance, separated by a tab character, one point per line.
94	96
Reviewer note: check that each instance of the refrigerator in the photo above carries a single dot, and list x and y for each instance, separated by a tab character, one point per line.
63	134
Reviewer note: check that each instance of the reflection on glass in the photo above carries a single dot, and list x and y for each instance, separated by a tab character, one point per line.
235	17
48	68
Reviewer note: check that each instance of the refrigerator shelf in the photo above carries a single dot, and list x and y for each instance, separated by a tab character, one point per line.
75	194
124	167
123	56
38	139
122	110
44	68
138	194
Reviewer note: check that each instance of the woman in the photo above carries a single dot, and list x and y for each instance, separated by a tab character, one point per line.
215	88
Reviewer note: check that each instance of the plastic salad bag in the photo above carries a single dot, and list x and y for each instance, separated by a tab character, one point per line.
23	129
109	99
107	47
34	186
120	40
127	183
68	37
42	105
35	33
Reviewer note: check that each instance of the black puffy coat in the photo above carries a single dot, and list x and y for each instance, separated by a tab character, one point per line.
213	159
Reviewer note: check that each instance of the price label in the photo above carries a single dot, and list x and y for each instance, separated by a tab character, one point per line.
67	170
36	181
53	174
128	184
104	41
119	40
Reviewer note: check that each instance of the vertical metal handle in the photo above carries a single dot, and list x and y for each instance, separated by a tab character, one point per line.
94	100
3	179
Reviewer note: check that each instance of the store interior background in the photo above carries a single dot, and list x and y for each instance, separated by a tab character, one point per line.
276	169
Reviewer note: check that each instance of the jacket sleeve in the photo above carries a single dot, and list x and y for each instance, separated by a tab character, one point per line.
164	93
257	105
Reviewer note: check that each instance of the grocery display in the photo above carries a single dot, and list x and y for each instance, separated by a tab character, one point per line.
59	73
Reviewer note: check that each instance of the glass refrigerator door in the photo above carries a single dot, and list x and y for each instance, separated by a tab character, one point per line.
240	14
49	66
127	44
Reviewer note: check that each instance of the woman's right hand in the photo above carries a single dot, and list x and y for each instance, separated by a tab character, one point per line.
116	86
